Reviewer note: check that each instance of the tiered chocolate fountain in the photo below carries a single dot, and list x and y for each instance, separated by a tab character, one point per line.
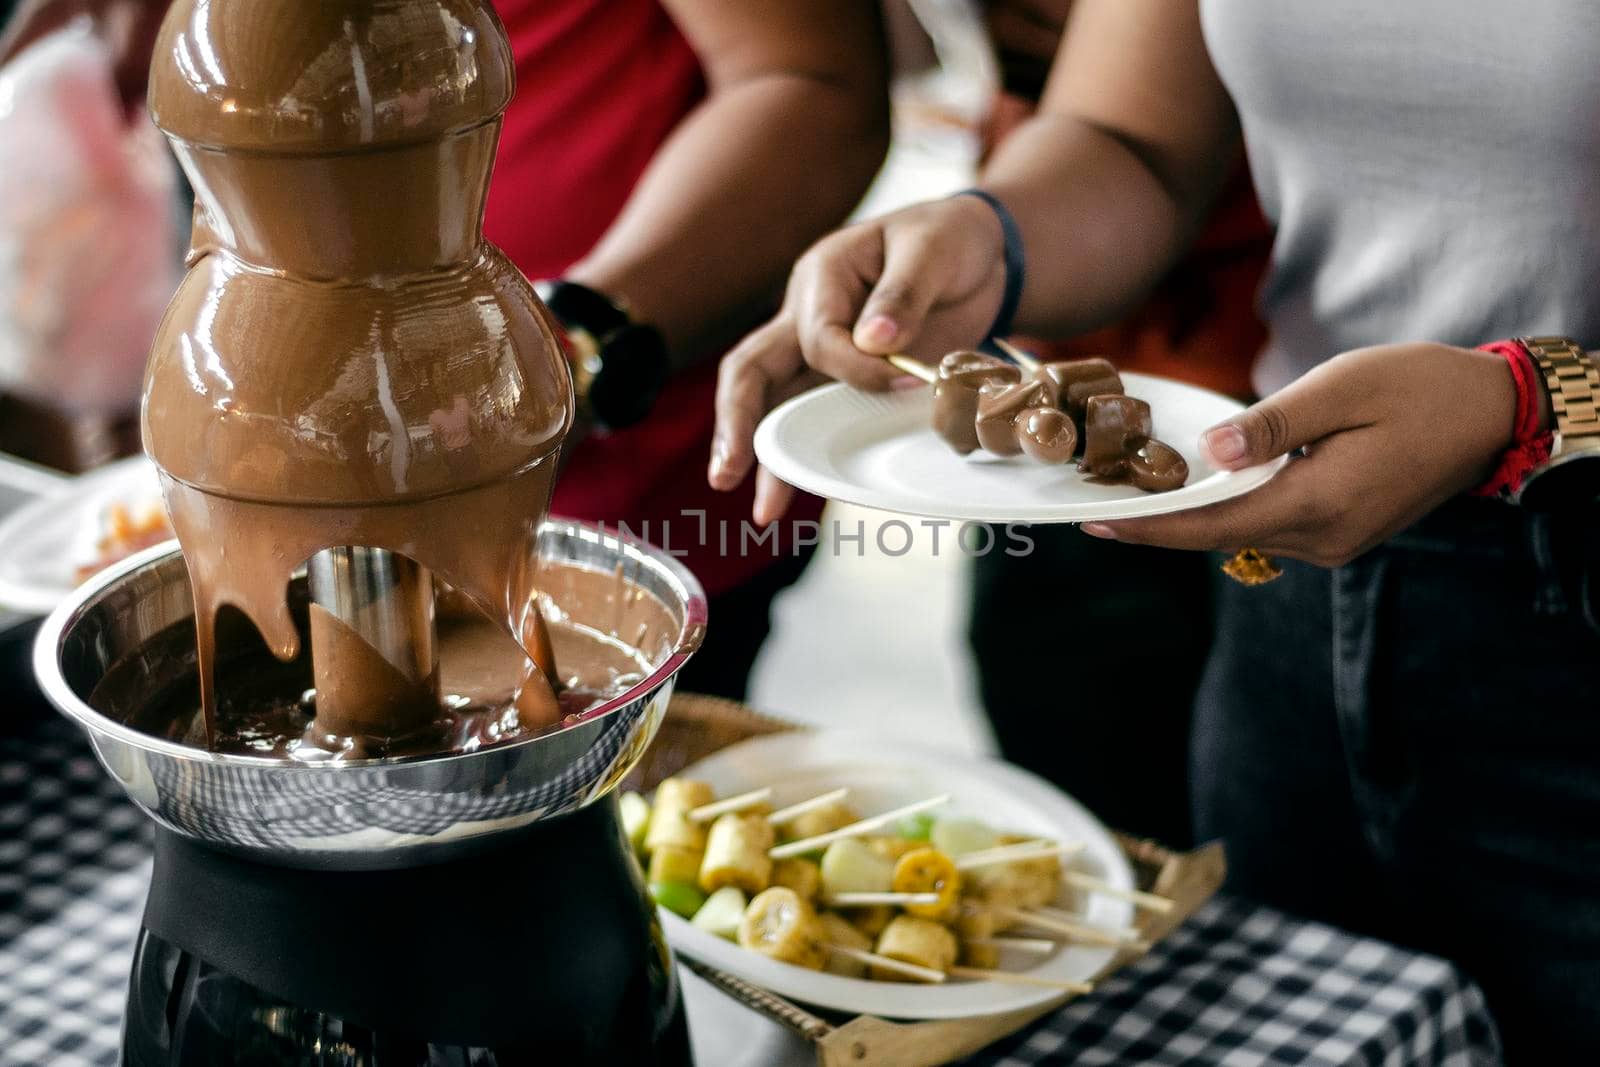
384	830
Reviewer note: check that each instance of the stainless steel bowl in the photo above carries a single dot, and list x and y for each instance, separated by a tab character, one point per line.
360	814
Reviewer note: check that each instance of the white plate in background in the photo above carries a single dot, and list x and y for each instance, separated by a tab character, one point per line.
879	450
46	540
884	773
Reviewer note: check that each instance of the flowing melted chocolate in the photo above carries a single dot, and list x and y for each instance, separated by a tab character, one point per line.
348	362
607	633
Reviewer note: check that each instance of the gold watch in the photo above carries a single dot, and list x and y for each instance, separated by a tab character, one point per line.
1570	478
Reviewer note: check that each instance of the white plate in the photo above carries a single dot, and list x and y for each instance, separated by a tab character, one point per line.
878	450
885	773
44	542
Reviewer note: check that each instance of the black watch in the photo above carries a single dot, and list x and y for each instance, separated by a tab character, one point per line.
619	366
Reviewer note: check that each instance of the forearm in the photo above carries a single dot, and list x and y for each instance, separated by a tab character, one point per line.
1099	226
1118	170
745	183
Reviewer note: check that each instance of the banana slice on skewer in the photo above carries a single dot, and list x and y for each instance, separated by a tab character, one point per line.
927	870
736	854
670	825
922	942
779	925
803	876
837	931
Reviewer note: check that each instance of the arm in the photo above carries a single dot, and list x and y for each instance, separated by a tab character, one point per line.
793	129
1117	171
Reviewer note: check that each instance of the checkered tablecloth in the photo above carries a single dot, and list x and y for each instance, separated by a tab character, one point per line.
1238	985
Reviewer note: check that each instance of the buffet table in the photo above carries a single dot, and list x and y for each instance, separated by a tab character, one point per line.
1237	985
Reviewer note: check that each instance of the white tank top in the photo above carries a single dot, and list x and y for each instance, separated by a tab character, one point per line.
1432	167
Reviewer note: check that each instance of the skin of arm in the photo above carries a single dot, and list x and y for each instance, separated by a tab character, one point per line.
792	130
1116	173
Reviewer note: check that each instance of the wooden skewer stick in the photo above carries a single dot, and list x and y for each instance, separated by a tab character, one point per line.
928	974
708	812
1067	916
1127	933
794	811
914	367
1023	359
910	970
1039	946
1080	932
866	900
1152	901
1026	850
855	829
1014	978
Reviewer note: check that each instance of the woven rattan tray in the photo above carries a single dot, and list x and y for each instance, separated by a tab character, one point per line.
697	726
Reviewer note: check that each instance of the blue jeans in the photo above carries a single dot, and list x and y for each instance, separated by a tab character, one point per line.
1410	746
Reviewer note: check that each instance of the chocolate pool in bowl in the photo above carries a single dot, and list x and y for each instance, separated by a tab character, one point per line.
119	660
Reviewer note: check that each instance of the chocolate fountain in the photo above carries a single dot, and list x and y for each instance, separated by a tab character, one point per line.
378	704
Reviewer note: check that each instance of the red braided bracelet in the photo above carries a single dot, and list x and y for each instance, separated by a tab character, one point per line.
1529	447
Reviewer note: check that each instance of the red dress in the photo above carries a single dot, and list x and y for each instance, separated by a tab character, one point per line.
599	88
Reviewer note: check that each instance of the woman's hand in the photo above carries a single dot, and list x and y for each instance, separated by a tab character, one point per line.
1390	433
923	280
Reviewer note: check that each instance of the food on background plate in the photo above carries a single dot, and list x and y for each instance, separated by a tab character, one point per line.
781	926
838	930
125	530
821	820
894	901
801	875
927	871
722	913
736	854
920	942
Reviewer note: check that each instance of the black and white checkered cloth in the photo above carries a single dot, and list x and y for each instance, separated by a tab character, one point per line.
1241	985
1238	985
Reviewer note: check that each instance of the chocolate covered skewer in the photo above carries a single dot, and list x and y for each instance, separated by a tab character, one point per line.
983	402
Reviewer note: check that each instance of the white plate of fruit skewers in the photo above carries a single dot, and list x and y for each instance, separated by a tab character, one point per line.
990	441
854	872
